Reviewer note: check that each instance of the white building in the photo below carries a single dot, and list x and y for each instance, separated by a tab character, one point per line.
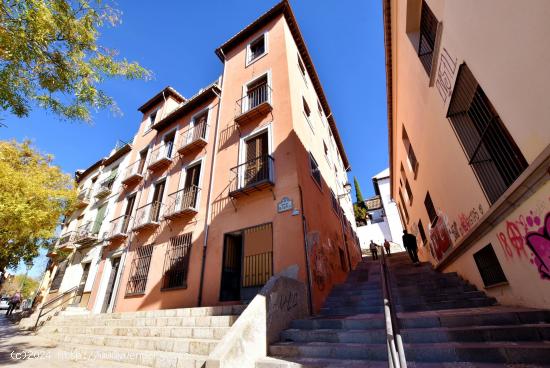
384	221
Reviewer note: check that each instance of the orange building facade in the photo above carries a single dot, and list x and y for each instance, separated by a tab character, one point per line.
224	189
469	138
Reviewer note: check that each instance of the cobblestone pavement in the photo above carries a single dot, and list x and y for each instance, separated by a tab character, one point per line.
24	349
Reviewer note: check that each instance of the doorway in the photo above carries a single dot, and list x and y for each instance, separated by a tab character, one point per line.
82	284
109	291
231	267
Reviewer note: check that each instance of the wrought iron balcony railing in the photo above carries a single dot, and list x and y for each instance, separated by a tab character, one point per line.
148	216
119	228
105	187
83	198
66	239
87	233
161	156
134	172
182	202
193	137
255	103
255	174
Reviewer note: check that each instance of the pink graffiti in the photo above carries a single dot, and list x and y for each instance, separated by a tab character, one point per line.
539	243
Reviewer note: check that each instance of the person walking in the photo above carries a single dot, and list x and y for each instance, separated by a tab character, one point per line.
14	302
373	250
387	246
409	241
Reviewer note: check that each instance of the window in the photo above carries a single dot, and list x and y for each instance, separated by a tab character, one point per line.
403	207
140	270
315	173
320	109
334	201
256	49
56	282
169	144
408	190
491	152
152	118
307	112
432	214
489	267
142	160
302	67
325	149
422	233
411	157
257	92
428	32
403	218
342	259
176	262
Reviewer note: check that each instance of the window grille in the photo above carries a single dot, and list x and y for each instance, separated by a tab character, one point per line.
492	153
403	206
315	172
421	231
432	213
176	262
140	270
489	267
428	31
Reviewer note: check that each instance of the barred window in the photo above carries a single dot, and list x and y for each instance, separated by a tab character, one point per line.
489	267
315	172
140	270
428	31
58	278
492	153
411	157
176	262
432	213
403	206
421	231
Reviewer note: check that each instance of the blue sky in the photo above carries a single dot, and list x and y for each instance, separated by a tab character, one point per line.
176	40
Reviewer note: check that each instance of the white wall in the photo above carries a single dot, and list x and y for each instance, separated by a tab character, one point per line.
376	232
392	213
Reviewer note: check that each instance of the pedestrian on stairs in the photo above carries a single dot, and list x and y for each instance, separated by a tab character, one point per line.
373	250
387	247
409	241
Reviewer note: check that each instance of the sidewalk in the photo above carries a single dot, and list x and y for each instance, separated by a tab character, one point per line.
27	350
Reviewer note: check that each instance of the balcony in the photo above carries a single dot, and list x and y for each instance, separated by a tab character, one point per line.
133	173
182	203
119	228
255	104
105	188
87	234
148	216
66	239
83	198
254	175
193	138
161	157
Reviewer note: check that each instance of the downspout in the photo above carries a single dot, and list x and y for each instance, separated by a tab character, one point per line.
210	188
308	270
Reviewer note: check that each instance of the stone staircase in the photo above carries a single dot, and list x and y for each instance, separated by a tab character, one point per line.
162	338
348	332
446	321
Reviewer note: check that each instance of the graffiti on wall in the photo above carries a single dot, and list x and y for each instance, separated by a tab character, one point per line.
527	238
445	73
466	221
440	239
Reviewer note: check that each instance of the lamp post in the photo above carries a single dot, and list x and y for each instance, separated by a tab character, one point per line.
28	265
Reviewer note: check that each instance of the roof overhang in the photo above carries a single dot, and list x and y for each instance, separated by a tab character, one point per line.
283	8
80	175
386	12
166	92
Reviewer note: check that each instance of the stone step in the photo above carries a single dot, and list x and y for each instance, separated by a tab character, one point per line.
205	321
447	304
488	352
354	323
370	336
416	290
354	298
282	362
440	297
488	316
344	302
148	358
526	332
189	332
176	345
358	285
376	352
356	291
352	310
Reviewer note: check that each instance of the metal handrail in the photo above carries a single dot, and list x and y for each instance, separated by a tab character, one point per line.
133	169
183	199
161	152
396	352
251	172
50	302
192	133
148	214
119	225
254	98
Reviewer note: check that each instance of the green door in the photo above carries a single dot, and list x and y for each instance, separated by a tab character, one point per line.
99	219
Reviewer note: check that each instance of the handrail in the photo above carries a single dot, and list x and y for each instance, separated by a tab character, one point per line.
396	352
50	302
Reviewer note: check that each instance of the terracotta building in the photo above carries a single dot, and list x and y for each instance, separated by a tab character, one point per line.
469	139
222	190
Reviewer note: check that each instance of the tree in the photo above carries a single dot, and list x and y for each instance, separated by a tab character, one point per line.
360	213
358	195
27	286
50	56
33	196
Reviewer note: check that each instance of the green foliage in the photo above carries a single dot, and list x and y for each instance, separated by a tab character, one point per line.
33	196
50	56
358	194
360	213
26	285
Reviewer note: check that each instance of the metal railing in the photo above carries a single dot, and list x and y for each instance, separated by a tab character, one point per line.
119	226
253	172
183	199
66	238
192	134
135	168
86	232
42	313
396	352
254	98
164	151
148	214
105	186
84	195
258	268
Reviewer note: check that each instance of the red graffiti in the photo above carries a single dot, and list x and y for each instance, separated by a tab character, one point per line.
516	239
504	244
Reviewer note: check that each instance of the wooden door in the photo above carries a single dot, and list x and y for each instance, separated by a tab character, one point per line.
157	200
256	168
191	186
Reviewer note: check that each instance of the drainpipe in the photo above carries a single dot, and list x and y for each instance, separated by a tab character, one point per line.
308	270
210	188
